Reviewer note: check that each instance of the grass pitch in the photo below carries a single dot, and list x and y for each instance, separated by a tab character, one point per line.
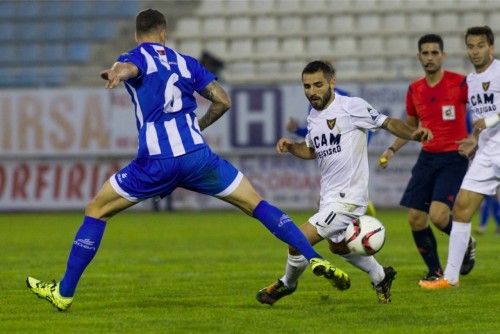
199	272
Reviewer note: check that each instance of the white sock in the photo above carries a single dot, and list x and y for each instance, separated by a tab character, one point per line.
368	264
459	240
295	266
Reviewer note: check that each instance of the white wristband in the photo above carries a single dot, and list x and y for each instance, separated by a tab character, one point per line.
491	120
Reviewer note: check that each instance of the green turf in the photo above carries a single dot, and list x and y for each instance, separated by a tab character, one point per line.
199	272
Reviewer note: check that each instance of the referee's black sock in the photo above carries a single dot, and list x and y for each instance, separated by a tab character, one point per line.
447	228
427	247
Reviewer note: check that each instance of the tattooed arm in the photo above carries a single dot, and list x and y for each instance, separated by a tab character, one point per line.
220	104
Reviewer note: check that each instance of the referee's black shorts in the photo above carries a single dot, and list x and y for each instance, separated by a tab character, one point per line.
435	177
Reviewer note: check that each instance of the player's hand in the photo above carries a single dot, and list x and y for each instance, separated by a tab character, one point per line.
283	144
384	158
467	147
422	134
479	125
112	79
292	125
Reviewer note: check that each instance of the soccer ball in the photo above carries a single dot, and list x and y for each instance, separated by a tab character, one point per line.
365	236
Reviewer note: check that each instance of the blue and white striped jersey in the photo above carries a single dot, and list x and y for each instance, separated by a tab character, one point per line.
163	96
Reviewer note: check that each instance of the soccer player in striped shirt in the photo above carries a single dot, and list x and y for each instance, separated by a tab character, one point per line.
172	153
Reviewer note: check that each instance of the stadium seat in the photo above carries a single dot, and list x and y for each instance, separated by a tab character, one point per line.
79	52
55	30
55	9
237	7
317	5
344	46
265	24
7	53
211	7
53	52
317	23
494	21
446	22
187	27
320	45
293	46
472	19
289	6
343	24
261	6
27	9
55	76
103	29
269	67
214	27
78	29
399	45
347	68
294	67
454	44
8	31
83	9
420	22
240	47
238	68
190	47
216	46
30	31
239	25
290	24
375	68
371	45
7	9
27	53
394	22
266	46
368	23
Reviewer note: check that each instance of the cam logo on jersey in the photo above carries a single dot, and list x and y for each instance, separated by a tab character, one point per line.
486	85
331	123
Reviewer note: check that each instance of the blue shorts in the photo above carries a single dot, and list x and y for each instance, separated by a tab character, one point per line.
435	177
202	171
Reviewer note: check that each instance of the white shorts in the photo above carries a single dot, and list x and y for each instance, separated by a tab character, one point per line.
483	176
332	220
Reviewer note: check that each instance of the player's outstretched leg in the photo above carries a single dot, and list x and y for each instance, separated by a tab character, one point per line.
383	289
274	292
337	277
50	292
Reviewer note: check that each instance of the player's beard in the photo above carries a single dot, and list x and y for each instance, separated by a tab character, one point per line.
321	104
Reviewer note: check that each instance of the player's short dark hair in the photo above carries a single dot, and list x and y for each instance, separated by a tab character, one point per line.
320	66
430	38
481	30
149	20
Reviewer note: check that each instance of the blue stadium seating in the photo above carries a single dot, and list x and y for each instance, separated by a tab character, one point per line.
40	39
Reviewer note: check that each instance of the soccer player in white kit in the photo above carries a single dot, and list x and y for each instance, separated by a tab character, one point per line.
483	175
336	138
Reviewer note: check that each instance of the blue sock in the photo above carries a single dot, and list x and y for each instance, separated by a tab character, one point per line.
85	246
485	211
496	211
282	227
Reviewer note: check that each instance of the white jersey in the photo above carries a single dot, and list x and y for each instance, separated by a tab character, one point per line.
484	100
338	136
483	175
